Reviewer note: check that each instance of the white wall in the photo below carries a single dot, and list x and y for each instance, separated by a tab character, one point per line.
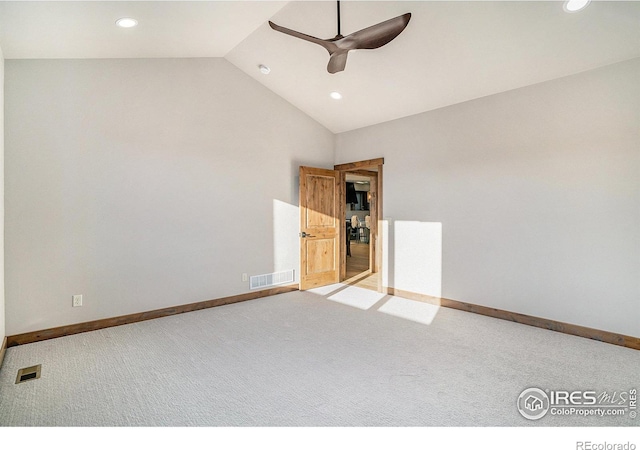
143	184
536	191
2	308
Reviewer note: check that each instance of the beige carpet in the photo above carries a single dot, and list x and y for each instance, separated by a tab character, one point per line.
339	356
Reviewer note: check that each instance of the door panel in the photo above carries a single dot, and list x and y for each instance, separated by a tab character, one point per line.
319	227
320	194
320	254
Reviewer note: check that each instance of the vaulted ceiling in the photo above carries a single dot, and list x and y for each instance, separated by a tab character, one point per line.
451	51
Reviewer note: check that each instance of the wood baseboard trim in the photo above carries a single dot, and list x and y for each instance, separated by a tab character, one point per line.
553	325
3	348
67	330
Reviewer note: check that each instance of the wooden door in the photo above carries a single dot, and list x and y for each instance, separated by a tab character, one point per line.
320	227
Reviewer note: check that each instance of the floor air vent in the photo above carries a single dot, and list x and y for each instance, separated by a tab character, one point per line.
28	373
271	279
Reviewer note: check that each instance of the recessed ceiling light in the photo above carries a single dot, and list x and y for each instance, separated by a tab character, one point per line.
575	5
264	69
126	22
335	95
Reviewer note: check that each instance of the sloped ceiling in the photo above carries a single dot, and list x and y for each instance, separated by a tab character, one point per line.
451	52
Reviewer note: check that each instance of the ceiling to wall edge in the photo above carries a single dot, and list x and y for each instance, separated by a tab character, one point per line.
444	107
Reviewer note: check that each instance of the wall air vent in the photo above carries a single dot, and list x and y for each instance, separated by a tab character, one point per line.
271	279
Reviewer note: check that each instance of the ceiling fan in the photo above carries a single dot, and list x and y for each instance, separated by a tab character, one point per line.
368	38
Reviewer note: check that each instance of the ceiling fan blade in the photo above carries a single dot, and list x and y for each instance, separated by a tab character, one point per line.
338	47
338	61
377	35
328	45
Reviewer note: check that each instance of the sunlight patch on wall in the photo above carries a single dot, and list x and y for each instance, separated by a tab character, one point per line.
418	257
413	256
286	251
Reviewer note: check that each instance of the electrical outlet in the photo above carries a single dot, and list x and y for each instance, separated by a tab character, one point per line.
245	277
77	300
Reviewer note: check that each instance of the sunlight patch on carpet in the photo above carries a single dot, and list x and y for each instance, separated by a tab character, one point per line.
357	297
413	310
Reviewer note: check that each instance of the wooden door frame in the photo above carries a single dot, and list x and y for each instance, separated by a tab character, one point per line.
375	240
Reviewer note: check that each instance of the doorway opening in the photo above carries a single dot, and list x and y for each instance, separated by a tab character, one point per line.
361	212
358	225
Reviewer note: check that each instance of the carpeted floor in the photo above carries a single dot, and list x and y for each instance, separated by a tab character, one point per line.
337	356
